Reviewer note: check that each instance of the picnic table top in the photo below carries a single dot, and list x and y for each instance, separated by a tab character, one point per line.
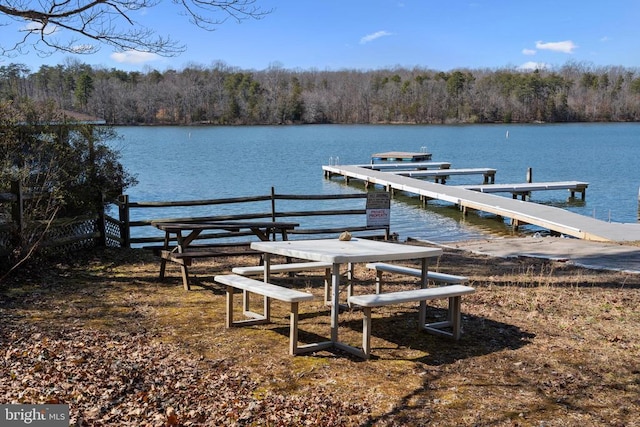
339	251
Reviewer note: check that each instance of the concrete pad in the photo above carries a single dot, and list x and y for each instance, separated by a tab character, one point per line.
594	255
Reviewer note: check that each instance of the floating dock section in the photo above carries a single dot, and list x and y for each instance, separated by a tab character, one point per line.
401	156
518	211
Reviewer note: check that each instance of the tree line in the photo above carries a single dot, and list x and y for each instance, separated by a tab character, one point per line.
223	95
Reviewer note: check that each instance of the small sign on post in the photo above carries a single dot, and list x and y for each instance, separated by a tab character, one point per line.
378	209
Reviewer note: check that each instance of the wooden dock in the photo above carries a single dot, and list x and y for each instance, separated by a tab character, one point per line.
524	190
518	211
441	175
402	156
407	165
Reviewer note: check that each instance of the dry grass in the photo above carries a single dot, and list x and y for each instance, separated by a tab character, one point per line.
544	343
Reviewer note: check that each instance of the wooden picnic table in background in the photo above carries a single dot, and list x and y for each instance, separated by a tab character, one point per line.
187	232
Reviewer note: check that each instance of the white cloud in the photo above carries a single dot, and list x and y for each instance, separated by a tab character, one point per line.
371	37
134	57
531	65
566	46
528	51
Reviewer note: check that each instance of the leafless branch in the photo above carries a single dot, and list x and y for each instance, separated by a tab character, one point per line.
63	25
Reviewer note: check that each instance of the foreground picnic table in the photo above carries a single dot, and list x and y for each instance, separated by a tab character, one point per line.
338	252
186	233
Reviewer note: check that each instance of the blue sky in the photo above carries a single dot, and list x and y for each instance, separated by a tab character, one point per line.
372	34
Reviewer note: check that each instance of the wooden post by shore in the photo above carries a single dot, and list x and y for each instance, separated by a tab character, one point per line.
125	226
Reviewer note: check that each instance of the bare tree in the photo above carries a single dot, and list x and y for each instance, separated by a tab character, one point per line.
82	26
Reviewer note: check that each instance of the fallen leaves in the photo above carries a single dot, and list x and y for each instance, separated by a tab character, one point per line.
131	380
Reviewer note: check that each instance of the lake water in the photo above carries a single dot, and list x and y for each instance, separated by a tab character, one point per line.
184	163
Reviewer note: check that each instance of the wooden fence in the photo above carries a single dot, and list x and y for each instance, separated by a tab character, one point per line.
320	215
62	235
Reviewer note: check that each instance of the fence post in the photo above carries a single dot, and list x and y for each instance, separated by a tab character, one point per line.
102	226
273	204
17	213
273	210
125	226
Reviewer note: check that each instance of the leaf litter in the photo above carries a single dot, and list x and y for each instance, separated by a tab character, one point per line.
544	343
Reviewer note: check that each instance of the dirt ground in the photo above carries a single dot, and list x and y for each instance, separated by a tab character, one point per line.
545	343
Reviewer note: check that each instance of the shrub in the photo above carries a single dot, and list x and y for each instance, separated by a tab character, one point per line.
63	164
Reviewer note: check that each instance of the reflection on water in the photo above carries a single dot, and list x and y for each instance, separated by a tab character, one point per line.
562	204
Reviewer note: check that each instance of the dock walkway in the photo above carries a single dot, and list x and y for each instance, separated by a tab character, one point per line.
525	189
407	165
520	212
441	175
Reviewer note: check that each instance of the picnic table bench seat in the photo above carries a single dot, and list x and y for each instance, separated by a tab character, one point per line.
268	291
292	267
453	293
203	253
295	267
157	249
435	277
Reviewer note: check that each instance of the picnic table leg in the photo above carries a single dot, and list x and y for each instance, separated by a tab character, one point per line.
267	276
163	267
185	277
455	316
424	282
327	286
245	301
293	329
378	281
229	320
366	331
350	275
163	262
267	309
183	265
335	300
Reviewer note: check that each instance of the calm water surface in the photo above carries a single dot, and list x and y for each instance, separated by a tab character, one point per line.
183	163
